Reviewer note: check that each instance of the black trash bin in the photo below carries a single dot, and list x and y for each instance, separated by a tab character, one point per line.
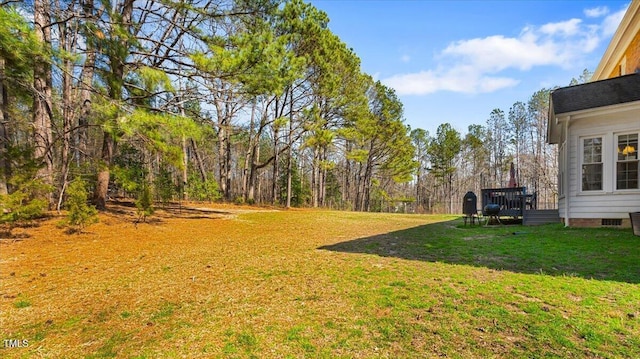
470	207
635	222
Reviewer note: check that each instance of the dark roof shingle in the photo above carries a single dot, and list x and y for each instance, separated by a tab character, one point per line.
596	94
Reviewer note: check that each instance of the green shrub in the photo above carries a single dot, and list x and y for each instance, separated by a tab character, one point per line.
80	213
28	195
200	190
164	186
301	194
26	201
129	170
144	203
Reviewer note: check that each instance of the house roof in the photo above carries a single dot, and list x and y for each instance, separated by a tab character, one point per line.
621	41
565	101
596	94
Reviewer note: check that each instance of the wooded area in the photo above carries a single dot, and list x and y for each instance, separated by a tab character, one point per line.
248	101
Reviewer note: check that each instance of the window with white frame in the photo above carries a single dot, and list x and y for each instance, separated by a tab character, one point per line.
627	162
592	164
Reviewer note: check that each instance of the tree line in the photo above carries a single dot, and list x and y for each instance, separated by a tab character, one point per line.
452	163
243	101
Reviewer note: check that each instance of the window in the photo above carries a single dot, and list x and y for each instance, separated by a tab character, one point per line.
627	162
592	164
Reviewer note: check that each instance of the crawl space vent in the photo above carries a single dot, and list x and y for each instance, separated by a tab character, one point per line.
611	222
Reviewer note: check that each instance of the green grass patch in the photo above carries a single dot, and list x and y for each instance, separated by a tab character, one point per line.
165	311
109	348
23	303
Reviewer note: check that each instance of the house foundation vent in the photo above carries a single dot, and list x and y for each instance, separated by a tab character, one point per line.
611	222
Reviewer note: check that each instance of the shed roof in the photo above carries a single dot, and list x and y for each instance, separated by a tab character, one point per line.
596	94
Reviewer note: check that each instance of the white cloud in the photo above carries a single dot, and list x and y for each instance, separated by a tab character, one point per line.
496	53
611	22
420	83
596	11
565	28
492	84
405	58
462	80
475	65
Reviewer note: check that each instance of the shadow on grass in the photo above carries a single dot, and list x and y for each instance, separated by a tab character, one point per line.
7	230
127	209
602	253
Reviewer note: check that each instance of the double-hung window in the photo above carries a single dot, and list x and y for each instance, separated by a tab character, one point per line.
592	164
627	162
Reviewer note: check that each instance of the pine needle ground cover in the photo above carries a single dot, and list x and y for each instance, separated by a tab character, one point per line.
235	283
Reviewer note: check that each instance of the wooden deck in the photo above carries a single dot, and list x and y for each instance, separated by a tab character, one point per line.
512	201
518	205
533	217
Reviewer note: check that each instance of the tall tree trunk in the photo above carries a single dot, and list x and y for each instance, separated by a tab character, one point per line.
185	167
360	188
42	97
117	64
67	118
68	112
227	164
315	177
290	152
196	154
450	194
223	114
366	193
248	159
185	160
253	175
276	173
418	178
222	129
102	186
347	173
86	83
252	191
322	186
5	164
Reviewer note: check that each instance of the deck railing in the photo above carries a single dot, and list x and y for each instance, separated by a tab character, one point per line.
512	200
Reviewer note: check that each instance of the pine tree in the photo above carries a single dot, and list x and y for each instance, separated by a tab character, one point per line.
144	204
80	213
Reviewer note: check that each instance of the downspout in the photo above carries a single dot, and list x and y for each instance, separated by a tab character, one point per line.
565	179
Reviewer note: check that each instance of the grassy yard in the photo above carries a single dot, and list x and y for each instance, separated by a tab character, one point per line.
303	283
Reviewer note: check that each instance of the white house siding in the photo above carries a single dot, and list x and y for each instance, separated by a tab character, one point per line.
608	203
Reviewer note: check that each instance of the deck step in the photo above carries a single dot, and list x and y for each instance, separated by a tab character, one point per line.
541	216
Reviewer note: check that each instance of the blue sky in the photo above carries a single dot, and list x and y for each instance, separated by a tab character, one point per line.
456	61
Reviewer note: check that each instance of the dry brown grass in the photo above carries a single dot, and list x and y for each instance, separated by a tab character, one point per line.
220	280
